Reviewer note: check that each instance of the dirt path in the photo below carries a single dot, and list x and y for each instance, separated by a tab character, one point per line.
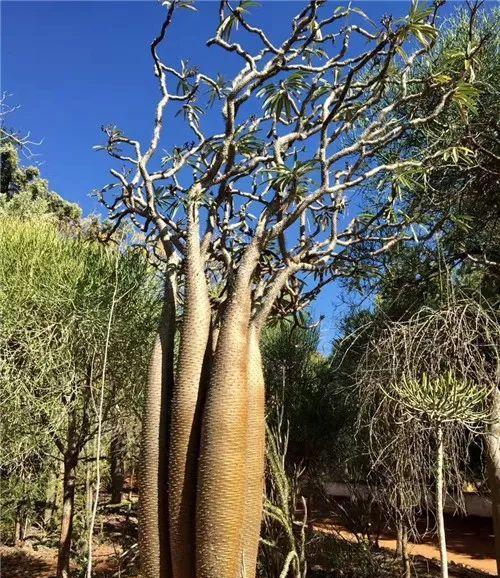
469	542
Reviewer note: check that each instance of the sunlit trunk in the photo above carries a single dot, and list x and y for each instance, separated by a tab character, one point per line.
255	456
153	508
222	468
213	419
18	526
187	407
443	554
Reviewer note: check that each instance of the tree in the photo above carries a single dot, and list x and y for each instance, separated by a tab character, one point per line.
56	300
254	220
471	236
463	196
425	384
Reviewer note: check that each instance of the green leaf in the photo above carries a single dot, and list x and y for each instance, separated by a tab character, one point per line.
466	96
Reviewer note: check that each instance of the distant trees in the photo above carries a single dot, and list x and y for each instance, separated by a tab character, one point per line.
55	302
461	191
23	192
297	387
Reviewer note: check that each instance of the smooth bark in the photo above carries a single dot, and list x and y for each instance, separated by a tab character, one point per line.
153	507
493	466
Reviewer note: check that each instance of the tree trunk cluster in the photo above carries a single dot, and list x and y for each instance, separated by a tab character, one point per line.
202	471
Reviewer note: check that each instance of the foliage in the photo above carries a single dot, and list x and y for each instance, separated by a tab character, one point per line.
298	384
25	194
55	298
435	370
461	190
284	541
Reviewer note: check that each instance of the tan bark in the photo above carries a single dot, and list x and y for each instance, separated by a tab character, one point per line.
222	469
17	531
187	401
493	466
153	511
255	456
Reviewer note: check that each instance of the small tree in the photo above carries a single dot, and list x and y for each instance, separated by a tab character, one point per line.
437	403
426	385
255	218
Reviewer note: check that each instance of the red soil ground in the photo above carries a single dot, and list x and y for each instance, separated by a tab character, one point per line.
470	542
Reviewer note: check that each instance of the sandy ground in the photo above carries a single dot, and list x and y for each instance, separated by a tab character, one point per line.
470	542
28	562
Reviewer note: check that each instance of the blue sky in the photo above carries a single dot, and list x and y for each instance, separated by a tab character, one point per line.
74	66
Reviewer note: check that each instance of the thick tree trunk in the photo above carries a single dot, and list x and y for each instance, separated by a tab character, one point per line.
68	503
117	450
443	553
493	466
255	456
187	406
153	507
222	467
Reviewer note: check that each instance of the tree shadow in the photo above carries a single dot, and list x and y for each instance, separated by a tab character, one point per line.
471	536
25	564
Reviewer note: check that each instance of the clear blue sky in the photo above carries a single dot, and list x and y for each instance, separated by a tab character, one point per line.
73	66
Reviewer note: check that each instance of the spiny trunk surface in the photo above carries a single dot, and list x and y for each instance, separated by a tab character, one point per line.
222	466
187	406
153	510
255	456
